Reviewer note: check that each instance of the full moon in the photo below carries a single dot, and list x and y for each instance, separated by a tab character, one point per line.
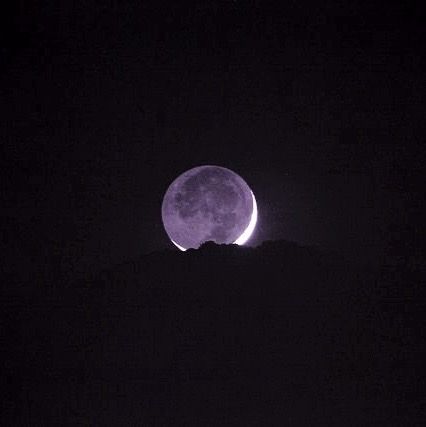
208	203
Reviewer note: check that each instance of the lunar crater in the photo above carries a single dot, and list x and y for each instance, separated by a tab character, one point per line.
207	203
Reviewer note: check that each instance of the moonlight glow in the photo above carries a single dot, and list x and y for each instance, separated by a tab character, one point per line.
250	228
247	232
208	203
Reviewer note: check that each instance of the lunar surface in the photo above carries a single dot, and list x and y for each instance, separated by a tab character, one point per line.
208	203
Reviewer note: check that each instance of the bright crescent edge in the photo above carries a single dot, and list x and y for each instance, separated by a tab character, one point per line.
246	233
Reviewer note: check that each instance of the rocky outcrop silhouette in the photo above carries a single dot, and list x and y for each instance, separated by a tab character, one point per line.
276	335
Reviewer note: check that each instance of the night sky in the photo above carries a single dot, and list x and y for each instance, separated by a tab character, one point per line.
319	107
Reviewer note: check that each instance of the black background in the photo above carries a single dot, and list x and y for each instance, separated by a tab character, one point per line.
318	106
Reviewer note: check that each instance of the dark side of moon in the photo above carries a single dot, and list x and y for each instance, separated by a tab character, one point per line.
206	203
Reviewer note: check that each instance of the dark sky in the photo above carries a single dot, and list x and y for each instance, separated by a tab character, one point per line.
319	107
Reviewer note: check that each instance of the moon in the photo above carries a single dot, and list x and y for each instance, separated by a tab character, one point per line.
208	203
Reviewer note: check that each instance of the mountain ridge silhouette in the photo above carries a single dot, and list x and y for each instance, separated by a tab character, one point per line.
222	335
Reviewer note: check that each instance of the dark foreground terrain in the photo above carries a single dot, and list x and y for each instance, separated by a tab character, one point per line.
278	335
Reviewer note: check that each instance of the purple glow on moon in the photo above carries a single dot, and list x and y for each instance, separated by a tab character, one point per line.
209	203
